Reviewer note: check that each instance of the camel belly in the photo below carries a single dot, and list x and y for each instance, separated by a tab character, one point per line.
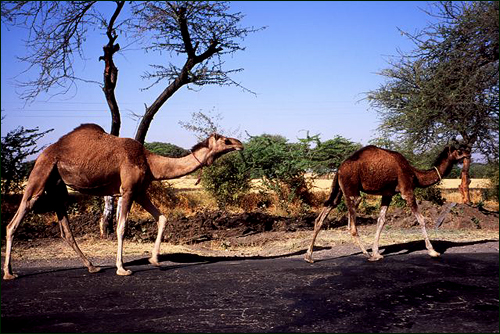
87	181
374	188
105	190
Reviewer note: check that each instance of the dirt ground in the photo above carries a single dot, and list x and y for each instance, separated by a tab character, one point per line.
250	233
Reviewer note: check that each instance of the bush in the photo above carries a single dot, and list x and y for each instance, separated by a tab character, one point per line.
431	194
226	180
17	145
494	175
166	149
281	166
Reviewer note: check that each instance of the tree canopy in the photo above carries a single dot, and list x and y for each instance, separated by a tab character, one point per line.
448	86
196	34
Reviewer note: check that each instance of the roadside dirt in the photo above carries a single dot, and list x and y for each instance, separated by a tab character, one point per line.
219	225
249	233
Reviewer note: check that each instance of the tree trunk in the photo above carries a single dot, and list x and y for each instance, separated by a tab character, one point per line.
110	79
464	186
106	221
180	81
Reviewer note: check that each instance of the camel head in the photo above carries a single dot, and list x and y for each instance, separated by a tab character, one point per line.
458	152
450	155
217	145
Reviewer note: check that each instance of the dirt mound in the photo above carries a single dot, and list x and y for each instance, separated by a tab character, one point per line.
213	225
448	216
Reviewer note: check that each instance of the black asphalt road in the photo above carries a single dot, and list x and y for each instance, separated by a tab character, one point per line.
407	291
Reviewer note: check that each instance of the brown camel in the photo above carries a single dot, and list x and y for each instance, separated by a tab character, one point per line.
382	172
93	162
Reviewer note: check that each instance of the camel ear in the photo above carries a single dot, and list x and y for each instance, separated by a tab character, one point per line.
212	140
210	160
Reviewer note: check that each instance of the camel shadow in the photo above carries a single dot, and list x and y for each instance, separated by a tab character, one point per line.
190	259
440	246
180	260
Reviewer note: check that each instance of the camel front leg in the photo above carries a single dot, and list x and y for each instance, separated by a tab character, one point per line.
120	232
428	245
317	227
410	200
145	202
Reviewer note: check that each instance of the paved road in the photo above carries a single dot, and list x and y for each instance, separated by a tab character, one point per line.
405	292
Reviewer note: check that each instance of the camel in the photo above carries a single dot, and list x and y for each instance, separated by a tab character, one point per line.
378	171
93	162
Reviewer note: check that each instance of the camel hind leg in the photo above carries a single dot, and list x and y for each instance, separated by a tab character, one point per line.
60	193
331	203
35	187
352	202
67	235
317	227
23	209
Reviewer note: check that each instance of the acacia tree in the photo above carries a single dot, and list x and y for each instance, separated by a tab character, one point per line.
447	87
202	31
327	156
57	33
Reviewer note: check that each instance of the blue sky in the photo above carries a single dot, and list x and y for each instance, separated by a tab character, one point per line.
310	69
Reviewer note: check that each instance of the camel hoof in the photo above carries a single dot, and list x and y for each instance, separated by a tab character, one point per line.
308	258
123	272
433	253
375	257
154	262
93	269
9	276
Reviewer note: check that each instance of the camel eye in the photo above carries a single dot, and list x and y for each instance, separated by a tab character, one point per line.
227	142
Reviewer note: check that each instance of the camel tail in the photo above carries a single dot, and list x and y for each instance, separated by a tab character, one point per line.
335	193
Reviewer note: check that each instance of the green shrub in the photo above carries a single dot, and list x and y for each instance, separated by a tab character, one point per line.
398	201
281	166
226	180
493	192
431	194
166	149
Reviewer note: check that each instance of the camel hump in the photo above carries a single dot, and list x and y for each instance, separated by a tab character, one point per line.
89	126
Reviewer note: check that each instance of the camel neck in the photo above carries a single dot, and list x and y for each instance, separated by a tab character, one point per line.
164	168
432	176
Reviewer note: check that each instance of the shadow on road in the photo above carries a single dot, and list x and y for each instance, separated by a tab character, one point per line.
195	258
440	246
188	259
403	248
